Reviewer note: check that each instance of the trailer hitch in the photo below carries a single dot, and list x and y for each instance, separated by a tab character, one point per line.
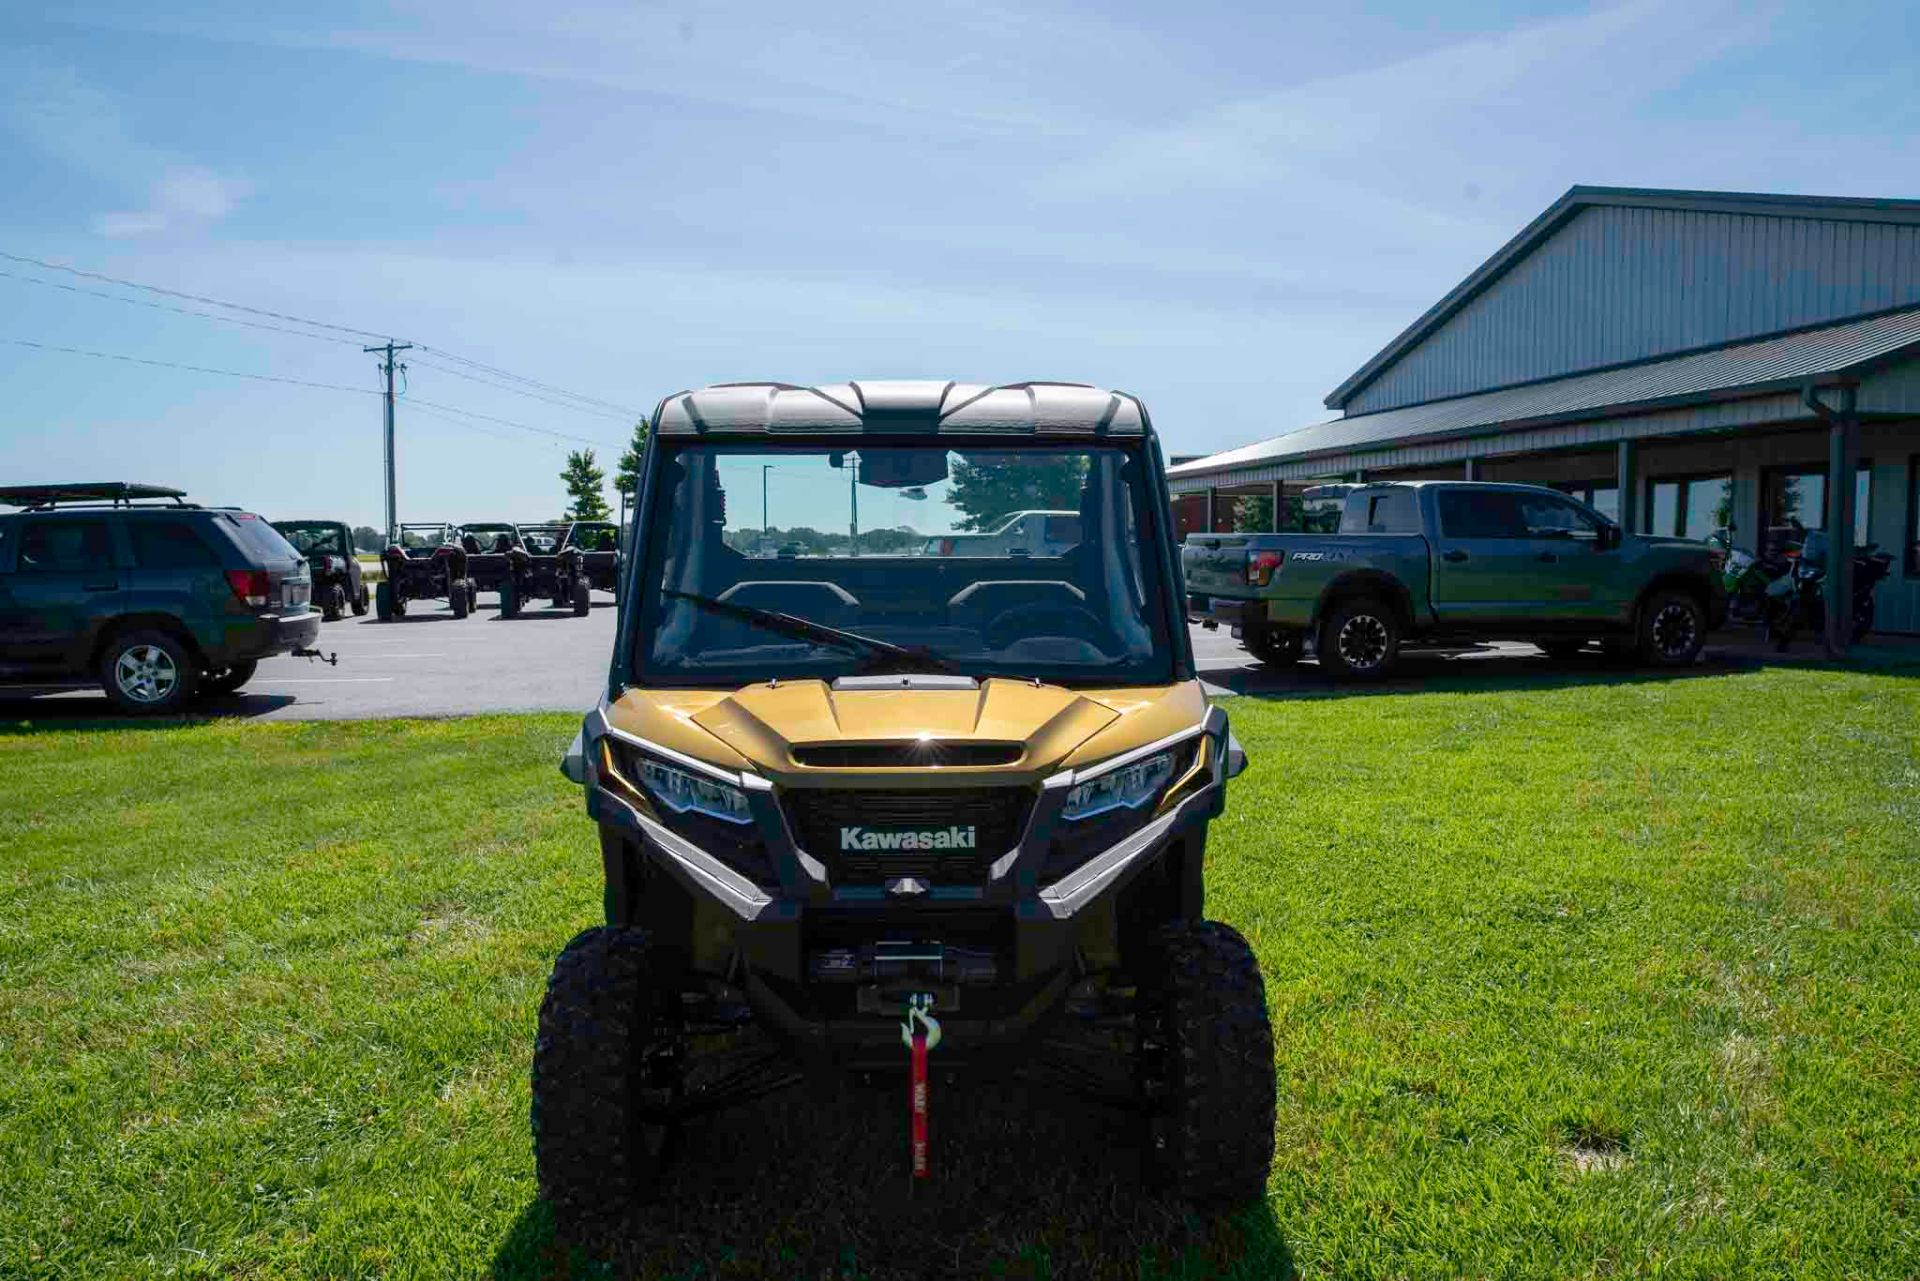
331	660
921	1033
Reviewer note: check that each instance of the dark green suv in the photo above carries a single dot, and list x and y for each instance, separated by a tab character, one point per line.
155	599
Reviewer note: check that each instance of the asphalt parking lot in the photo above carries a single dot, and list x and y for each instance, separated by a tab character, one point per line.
432	664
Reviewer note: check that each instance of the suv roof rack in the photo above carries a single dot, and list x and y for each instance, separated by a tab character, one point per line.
118	493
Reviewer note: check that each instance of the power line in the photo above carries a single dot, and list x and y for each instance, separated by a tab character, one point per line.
518	391
179	311
201	298
197	369
504	422
357	334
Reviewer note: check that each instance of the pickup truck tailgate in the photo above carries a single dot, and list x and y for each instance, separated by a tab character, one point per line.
1215	563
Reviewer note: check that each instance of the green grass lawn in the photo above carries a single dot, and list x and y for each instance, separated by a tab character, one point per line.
1601	978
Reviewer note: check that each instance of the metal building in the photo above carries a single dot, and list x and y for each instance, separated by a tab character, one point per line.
1683	360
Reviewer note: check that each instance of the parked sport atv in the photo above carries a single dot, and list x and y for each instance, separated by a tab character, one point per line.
489	547
598	542
901	815
338	584
542	568
423	563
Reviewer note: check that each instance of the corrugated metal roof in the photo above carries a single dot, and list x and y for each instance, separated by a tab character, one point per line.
1032	408
1719	373
1840	208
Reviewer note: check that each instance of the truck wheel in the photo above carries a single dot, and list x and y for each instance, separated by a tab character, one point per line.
595	1067
1673	626
229	679
1277	649
457	598
1207	1066
360	602
582	598
509	599
383	601
148	673
1360	639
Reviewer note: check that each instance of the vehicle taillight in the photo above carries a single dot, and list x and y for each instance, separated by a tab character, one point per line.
1260	567
250	585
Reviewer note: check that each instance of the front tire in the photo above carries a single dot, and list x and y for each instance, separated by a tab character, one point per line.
149	673
383	601
1360	639
1207	1059
457	598
582	598
1673	627
594	1151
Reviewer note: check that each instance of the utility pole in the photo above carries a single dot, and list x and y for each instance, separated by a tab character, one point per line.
387	367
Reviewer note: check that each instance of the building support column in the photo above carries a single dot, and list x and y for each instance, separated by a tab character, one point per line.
1213	510
1279	490
1843	459
1627	480
1472	469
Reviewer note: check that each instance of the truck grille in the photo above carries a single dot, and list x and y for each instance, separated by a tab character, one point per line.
822	817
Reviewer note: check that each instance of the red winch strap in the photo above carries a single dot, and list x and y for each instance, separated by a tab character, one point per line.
919	1104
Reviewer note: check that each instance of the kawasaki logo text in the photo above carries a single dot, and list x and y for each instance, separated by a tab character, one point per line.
949	838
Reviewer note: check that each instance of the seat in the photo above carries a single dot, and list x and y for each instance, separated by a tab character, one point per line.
469	544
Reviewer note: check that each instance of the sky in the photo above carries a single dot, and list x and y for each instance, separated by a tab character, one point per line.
1224	208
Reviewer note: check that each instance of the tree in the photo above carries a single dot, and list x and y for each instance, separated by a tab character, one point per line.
368	539
583	480
626	477
1253	516
990	491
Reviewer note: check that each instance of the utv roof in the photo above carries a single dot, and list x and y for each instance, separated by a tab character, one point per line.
105	491
895	406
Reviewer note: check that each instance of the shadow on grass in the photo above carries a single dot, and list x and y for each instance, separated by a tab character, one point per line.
1504	671
35	711
813	1184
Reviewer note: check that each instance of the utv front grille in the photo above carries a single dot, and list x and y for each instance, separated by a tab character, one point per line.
913	753
833	824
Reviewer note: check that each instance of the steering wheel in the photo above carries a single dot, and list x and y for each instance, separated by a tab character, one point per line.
1022	621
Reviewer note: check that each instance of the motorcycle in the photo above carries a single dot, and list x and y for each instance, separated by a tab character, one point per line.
1747	576
1799	597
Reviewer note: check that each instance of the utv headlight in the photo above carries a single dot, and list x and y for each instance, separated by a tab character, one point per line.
684	793
1129	787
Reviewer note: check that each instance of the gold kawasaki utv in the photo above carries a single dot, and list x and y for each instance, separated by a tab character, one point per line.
871	809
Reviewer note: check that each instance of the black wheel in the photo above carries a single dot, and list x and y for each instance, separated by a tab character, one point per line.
360	602
1276	649
333	604
1561	647
473	596
149	672
1673	626
1360	639
457	598
509	599
599	1063
1206	1058
383	601
582	598
228	679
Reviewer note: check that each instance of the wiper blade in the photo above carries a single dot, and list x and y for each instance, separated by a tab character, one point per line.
881	656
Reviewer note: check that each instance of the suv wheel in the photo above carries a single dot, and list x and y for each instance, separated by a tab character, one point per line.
229	679
582	598
596	1062
1360	639
147	672
1207	1066
1673	626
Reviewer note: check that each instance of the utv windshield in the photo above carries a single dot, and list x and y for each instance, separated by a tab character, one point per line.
309	540
813	562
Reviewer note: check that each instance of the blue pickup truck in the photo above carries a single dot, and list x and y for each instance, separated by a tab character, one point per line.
1414	562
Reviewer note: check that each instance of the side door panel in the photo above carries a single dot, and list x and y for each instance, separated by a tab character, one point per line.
1484	567
67	584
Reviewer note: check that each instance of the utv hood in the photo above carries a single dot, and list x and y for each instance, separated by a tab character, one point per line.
779	730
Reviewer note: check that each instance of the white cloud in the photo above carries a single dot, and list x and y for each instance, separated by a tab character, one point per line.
75	123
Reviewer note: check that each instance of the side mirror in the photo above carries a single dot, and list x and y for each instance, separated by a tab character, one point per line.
1608	538
1236	757
574	763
